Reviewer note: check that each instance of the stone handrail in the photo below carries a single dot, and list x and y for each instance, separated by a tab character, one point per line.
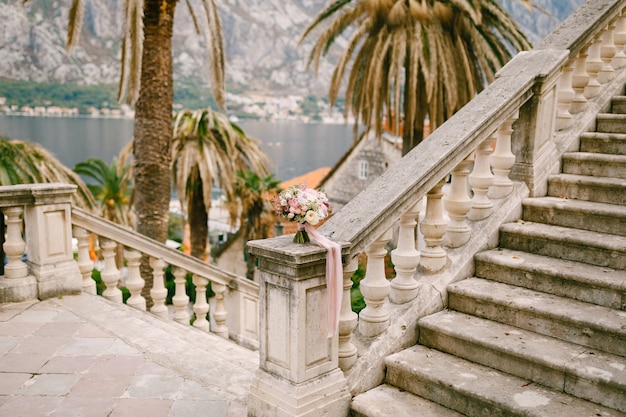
150	247
498	149
360	221
41	221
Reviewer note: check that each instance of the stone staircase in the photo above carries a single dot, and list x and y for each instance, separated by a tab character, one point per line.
540	330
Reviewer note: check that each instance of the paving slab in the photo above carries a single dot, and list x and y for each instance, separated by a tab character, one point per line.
83	356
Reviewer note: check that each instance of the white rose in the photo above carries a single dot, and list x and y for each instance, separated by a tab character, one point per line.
311	217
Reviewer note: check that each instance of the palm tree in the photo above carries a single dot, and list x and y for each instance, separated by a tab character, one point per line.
256	218
111	188
28	163
209	150
146	79
425	57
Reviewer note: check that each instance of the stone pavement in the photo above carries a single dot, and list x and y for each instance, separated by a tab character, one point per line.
82	356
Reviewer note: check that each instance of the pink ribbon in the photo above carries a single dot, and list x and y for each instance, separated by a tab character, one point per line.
334	275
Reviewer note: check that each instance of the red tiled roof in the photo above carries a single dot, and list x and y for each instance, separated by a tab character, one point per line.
310	179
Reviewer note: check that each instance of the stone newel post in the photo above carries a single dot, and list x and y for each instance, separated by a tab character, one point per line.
48	227
298	373
42	213
532	138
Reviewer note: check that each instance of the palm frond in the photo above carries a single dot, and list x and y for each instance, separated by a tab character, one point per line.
206	142
329	11
215	44
75	24
132	49
194	18
27	163
425	58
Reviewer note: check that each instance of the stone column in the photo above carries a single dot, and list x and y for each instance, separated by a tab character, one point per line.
434	226
348	320
458	203
565	96
580	79
607	52
85	264
48	227
16	285
298	373
619	38
481	179
594	65
134	282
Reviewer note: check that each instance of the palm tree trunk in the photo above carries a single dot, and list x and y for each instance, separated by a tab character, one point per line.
153	127
413	132
250	265
198	221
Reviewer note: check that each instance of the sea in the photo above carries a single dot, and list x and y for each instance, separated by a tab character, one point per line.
294	148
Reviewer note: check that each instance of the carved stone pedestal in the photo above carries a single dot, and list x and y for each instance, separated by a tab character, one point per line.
298	374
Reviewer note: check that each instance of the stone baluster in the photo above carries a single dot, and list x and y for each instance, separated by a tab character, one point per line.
374	318
480	180
406	258
180	299
580	79
85	264
619	38
565	95
594	65
458	203
347	320
607	52
14	244
218	310
158	292
200	307
502	160
110	274
434	226
134	282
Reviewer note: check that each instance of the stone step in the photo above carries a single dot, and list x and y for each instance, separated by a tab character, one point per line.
611	123
565	243
618	104
594	164
476	390
386	400
582	187
574	321
578	281
579	214
589	374
609	143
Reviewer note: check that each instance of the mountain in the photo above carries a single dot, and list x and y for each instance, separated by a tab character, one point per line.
261	38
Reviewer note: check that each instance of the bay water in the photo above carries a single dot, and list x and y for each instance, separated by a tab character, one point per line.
294	148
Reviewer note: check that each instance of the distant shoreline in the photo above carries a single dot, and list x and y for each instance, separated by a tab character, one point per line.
69	116
329	121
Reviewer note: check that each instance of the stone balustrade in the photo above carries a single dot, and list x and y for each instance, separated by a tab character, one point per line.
40	224
431	212
437	207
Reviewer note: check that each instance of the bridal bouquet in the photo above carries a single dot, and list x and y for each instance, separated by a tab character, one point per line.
307	206
302	204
